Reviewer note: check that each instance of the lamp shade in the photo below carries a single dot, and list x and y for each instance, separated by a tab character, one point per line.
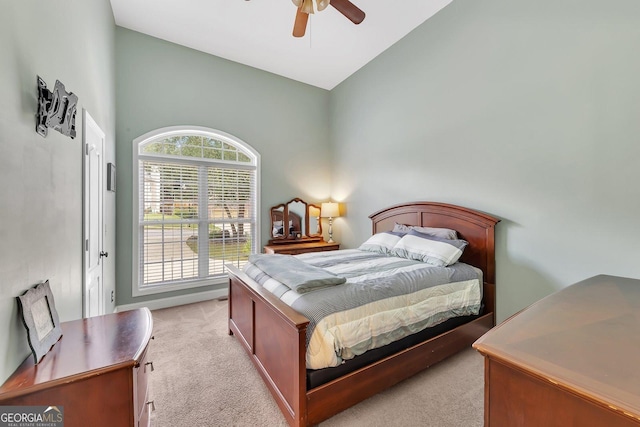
314	212
330	210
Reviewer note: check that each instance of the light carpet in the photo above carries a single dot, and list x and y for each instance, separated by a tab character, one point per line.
203	377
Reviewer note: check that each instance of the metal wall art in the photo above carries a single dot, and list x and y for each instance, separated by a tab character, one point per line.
56	109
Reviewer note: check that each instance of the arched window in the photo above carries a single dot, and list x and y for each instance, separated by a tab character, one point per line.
195	207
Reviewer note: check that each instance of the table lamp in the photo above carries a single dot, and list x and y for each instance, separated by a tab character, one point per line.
330	210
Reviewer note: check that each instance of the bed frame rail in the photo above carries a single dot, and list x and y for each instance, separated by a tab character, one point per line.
329	399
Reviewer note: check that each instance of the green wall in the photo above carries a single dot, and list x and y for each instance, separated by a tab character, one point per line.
525	110
529	111
41	185
161	84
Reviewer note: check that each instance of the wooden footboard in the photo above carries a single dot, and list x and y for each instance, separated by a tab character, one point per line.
274	336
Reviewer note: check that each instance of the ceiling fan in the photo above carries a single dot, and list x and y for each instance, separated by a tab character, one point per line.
305	7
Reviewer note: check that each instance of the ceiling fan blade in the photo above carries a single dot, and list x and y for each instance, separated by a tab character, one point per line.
300	24
348	9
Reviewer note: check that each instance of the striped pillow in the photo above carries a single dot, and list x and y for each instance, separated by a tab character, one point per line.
381	243
445	233
429	249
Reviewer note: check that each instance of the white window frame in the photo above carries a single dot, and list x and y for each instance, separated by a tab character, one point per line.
167	132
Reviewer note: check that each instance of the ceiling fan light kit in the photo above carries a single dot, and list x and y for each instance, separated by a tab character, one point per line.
306	7
310	6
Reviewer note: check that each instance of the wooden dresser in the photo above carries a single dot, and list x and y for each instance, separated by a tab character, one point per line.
98	372
300	248
571	359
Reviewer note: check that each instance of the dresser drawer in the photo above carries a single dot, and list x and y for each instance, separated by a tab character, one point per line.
145	417
141	387
293	251
301	248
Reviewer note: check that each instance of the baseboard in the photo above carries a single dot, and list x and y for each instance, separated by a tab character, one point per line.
156	304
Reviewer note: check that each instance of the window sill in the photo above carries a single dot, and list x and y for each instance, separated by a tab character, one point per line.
164	288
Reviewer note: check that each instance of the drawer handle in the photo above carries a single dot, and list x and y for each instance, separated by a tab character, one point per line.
148	363
153	405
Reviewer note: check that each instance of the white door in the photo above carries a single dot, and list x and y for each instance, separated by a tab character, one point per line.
93	290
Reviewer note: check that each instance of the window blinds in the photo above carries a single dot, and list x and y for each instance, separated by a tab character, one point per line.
194	216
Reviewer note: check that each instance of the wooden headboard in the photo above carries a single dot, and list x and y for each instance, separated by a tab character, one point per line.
475	227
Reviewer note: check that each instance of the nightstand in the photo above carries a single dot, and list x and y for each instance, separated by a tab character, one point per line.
301	248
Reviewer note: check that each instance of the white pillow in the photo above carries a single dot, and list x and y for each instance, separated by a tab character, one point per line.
382	243
429	249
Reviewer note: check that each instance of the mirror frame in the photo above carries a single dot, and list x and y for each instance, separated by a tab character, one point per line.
319	231
283	209
277	211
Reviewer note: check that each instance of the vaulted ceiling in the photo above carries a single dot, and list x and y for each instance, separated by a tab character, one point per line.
258	33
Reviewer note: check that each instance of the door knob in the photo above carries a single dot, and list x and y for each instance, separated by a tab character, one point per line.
104	254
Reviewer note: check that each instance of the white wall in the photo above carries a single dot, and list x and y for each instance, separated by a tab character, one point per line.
41	185
529	111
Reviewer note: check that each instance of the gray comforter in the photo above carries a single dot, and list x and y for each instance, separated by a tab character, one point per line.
378	288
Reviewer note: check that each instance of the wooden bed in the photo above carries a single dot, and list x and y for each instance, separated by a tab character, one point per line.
274	335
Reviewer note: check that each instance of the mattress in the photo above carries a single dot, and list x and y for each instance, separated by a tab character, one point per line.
383	300
318	377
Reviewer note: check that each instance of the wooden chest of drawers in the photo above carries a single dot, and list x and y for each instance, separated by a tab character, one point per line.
98	372
570	359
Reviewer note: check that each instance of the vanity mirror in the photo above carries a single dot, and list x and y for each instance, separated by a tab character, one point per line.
295	220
